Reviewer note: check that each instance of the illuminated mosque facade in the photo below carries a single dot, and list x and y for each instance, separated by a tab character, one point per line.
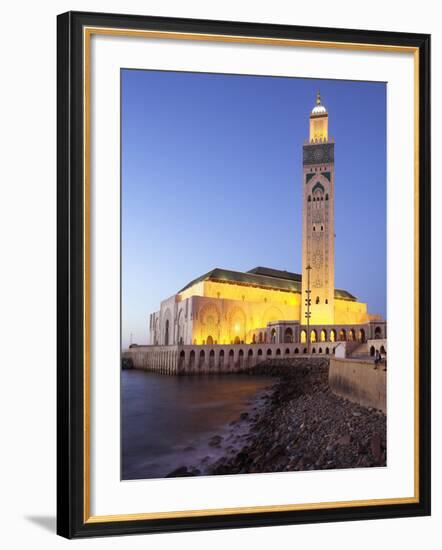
265	305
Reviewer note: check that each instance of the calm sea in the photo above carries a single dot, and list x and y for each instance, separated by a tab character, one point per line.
168	421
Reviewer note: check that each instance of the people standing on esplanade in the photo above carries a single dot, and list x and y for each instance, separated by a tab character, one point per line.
377	358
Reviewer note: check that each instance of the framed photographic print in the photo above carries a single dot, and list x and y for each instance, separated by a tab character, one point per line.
243	274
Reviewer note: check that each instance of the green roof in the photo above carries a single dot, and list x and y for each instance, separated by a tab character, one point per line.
262	277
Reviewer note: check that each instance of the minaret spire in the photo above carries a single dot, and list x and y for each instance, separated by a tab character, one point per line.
318	121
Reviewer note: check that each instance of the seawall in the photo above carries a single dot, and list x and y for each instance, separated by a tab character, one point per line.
359	381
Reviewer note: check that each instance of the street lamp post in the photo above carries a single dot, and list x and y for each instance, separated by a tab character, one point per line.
308	302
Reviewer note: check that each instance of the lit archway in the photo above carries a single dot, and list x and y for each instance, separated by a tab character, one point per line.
313	336
323	335
361	335
303	336
342	335
333	335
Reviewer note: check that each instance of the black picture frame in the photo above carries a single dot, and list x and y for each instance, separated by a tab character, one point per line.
71	519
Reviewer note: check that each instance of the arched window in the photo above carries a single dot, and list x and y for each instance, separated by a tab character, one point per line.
209	341
278	352
192	358
326	196
259	352
361	335
211	359
342	335
254	339
202	358
320	350
296	351
287	351
269	352
288	335
221	358
378	333
323	336
273	336
303	336
309	198
260	338
333	335
327	351
317	299
313	336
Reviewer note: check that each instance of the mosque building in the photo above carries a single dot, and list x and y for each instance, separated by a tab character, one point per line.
265	305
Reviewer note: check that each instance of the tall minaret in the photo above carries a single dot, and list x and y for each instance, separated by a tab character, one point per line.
318	219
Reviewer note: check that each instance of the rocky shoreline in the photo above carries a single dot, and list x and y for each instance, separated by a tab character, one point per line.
299	424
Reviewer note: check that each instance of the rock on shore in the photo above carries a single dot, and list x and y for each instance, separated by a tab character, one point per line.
304	426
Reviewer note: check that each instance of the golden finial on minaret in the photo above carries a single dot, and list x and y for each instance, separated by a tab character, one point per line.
318	98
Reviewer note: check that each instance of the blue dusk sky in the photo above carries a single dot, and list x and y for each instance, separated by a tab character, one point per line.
212	177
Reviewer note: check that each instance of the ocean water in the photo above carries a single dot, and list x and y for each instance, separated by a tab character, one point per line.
168	421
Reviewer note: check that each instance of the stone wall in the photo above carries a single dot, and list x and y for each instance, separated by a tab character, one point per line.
359	381
217	359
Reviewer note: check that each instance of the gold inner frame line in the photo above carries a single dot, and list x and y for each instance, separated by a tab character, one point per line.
87	34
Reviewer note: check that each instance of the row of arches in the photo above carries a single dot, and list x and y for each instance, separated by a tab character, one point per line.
233	359
316	335
334	336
